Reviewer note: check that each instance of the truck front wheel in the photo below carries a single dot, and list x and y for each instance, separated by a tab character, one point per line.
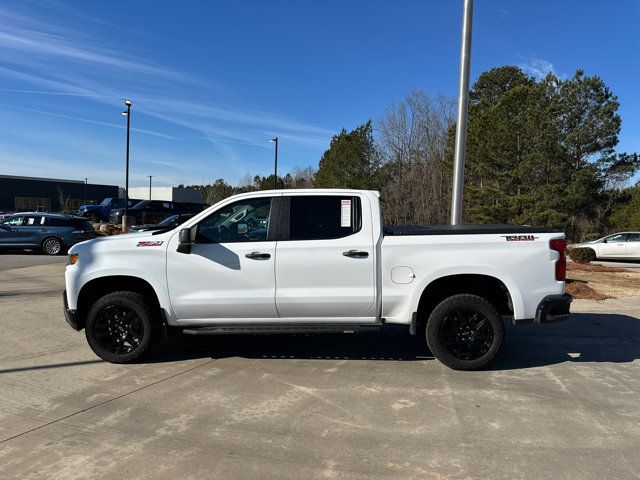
120	327
465	332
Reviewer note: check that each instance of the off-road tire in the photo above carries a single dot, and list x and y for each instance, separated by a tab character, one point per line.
469	304
122	301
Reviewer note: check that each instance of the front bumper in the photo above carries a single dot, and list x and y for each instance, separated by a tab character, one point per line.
553	308
71	316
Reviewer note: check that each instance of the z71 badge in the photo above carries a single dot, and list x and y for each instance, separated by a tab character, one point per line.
149	244
519	238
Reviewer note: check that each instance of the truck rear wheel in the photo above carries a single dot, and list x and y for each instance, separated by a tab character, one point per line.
465	332
120	327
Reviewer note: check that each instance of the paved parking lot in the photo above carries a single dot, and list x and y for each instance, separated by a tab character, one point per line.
563	401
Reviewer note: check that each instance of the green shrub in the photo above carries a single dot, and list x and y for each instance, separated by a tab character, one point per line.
582	255
591	236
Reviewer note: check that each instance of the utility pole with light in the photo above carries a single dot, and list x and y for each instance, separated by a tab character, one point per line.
275	172
463	107
150	177
85	190
125	217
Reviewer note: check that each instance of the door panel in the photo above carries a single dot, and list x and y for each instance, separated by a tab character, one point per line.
32	229
9	235
633	246
616	246
12	232
325	278
217	280
230	272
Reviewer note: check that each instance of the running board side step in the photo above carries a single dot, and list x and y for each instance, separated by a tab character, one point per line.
280	328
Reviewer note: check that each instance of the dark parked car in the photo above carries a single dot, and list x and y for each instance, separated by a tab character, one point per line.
154	211
168	223
97	213
50	232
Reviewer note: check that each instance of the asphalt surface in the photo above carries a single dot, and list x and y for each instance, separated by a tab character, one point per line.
26	258
562	401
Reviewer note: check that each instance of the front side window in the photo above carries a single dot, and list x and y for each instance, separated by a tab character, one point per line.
14	221
620	237
322	217
243	221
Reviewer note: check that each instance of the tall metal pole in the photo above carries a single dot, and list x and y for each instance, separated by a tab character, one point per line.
125	217
85	190
463	105
275	172
150	177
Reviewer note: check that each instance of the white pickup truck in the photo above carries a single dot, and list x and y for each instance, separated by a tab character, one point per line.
312	261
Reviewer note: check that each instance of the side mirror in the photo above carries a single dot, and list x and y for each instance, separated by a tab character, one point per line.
605	241
184	241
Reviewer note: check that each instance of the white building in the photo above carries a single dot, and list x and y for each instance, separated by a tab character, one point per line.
170	194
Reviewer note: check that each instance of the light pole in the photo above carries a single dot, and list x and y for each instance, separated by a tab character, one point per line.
125	219
150	177
85	190
275	171
461	125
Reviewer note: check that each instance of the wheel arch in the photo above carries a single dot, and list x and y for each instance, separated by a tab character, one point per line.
98	287
491	288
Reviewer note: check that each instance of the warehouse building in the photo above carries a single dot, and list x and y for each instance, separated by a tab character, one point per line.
167	194
31	194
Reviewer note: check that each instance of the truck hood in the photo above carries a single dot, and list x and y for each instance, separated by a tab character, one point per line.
125	241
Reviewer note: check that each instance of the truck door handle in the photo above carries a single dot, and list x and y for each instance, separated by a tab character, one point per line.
258	256
356	254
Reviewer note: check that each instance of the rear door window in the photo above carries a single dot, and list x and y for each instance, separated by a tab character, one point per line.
323	217
32	221
633	237
57	222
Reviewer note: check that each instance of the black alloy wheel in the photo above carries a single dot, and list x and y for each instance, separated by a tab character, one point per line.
119	329
122	326
467	334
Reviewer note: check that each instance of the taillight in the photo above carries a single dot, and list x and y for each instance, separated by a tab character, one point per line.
561	264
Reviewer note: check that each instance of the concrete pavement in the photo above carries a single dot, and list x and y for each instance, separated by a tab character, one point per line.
563	401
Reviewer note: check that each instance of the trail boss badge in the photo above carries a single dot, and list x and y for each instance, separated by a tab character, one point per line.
519	238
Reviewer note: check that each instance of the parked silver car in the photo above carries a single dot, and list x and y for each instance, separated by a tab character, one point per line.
52	233
618	246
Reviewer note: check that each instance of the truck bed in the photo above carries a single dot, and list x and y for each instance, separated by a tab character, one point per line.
470	229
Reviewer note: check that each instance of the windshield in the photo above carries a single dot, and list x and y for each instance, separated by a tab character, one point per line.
168	221
141	204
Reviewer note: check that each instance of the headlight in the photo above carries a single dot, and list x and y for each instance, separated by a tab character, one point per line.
73	258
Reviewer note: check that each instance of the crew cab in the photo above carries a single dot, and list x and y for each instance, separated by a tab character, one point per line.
288	261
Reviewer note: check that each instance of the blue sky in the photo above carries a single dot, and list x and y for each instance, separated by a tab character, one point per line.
211	82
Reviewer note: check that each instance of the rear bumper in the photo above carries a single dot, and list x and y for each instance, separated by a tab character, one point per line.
553	308
71	316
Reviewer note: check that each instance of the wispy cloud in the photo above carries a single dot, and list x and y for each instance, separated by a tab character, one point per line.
538	67
41	60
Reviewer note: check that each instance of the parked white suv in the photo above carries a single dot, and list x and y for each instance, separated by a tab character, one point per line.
315	261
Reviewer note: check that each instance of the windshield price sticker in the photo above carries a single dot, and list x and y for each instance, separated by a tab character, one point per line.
345	213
